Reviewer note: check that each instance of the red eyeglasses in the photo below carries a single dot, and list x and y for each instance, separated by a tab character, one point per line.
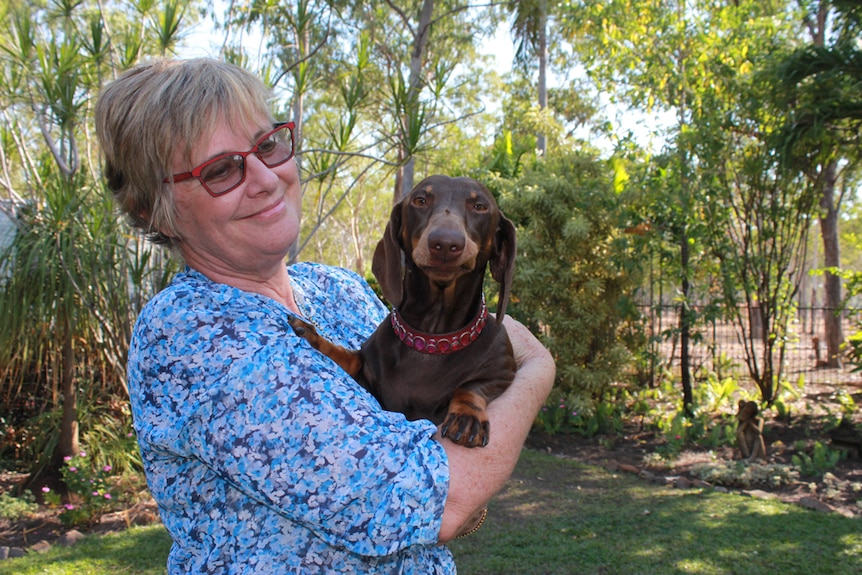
226	172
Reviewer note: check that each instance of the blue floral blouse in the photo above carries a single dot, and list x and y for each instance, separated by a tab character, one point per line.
263	455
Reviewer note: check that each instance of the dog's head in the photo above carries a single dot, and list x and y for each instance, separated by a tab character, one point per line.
446	227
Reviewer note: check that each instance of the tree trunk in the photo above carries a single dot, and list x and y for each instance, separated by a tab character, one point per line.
297	134
831	260
541	144
685	329
68	443
404	184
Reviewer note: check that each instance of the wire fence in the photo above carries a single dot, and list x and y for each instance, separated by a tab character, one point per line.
717	346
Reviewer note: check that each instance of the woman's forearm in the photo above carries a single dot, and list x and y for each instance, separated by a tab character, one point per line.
476	474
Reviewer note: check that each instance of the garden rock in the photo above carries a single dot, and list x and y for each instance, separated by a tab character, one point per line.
683	483
41	547
10	552
815	504
70	538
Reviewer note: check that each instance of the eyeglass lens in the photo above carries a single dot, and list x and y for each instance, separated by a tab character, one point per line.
223	174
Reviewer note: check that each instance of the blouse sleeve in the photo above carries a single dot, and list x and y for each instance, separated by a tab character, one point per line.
237	391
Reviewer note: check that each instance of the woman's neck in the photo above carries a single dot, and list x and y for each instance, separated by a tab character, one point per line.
275	285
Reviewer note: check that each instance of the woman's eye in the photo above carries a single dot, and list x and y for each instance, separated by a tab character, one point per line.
268	146
223	169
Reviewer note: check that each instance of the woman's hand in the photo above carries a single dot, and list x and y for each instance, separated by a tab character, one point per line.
475	475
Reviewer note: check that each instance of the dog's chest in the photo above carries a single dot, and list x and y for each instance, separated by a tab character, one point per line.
420	385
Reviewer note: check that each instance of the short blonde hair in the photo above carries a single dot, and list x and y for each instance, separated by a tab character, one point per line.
157	109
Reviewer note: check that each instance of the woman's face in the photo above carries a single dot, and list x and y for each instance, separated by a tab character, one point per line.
246	232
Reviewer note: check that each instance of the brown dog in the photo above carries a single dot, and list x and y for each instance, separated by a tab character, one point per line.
436	357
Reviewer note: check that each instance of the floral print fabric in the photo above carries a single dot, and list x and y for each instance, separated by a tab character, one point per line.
263	455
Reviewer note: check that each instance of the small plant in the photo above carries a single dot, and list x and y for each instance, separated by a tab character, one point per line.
14	508
675	430
787	391
555	417
89	492
821	460
846	401
573	415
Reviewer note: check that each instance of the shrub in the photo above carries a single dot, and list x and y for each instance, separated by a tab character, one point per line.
574	271
821	460
14	508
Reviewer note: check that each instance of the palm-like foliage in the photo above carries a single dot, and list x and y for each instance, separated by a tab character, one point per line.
73	280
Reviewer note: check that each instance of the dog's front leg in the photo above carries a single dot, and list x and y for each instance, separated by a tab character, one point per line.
347	359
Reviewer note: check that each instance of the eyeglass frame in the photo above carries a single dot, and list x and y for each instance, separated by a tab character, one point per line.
196	171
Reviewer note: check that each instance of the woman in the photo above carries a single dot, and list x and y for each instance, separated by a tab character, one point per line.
262	455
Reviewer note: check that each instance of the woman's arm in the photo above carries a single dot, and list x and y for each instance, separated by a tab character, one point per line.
475	475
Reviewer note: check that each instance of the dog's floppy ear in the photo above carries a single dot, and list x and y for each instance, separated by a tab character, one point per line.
502	264
387	263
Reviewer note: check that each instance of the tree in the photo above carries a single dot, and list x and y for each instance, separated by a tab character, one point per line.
819	83
697	59
387	87
530	30
646	50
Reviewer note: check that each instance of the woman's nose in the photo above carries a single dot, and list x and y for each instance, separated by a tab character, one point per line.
258	176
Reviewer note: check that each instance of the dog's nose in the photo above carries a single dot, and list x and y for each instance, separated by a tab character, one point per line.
446	243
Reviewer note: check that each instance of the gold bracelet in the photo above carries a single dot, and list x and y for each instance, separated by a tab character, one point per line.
478	525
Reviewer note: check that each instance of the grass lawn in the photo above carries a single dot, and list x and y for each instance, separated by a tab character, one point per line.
559	517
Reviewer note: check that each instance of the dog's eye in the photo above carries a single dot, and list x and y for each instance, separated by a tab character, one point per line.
480	207
419	201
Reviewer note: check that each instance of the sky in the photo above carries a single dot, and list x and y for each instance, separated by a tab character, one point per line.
201	41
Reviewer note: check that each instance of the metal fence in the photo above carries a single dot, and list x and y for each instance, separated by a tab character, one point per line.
717	344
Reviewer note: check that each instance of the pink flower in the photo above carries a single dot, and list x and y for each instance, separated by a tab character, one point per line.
107	468
67	458
107	495
83	454
73	469
96	494
69	506
679	437
46	489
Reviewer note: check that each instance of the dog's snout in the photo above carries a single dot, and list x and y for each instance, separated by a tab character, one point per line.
446	243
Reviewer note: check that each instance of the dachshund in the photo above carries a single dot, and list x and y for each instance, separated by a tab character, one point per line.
437	355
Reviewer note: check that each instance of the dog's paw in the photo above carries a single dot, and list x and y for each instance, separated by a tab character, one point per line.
466	422
466	430
302	328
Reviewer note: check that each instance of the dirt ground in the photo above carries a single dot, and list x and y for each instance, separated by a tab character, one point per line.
839	490
45	524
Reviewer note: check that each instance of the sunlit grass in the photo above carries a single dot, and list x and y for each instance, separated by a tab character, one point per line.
585	520
136	551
